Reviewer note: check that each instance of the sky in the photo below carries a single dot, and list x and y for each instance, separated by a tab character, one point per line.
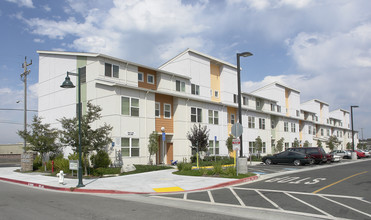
321	48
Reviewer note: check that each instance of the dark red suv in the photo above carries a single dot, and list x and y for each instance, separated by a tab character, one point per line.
317	154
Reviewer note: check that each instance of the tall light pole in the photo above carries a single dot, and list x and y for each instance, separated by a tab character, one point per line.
351	116
244	54
24	79
68	84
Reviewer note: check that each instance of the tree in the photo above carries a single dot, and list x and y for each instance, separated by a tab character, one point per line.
91	139
319	143
295	143
199	137
229	143
41	137
349	146
258	145
280	144
306	143
332	142
152	145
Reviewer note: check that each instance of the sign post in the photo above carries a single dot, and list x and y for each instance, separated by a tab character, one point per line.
236	146
74	164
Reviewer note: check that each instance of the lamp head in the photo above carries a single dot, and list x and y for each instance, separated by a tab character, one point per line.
67	83
245	54
354	106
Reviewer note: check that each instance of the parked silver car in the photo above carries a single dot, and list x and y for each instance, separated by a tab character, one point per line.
342	153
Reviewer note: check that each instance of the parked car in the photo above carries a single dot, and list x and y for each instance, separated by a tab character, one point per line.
287	157
367	153
336	158
341	153
317	154
359	154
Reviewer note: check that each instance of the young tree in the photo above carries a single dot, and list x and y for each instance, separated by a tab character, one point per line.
91	139
306	143
319	143
41	137
295	143
152	145
229	143
349	146
199	137
332	142
258	145
280	144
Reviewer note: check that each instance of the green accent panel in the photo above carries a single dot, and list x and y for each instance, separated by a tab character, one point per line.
81	62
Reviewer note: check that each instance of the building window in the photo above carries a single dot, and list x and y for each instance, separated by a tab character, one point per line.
297	113
262	123
328	122
322	132
263	148
130	106
167	111
252	147
180	86
196	115
130	147
83	74
234	98
157	109
273	124
140	77
287	145
251	122
278	108
293	127
150	79
258	104
111	70
314	131
216	93
272	107
309	129
244	100
213	117
195	89
286	126
233	119
328	132
213	147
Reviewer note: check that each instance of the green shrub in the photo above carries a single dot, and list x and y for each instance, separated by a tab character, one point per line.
218	169
106	171
61	163
231	171
100	160
37	163
184	166
193	159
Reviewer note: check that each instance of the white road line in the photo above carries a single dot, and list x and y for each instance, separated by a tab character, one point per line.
313	207
237	197
303	193
270	201
356	210
211	196
185	196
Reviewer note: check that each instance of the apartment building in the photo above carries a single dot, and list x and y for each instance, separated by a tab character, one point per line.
189	89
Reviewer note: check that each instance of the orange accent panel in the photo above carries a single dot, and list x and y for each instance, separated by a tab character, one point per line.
145	84
169	153
215	81
231	111
168	124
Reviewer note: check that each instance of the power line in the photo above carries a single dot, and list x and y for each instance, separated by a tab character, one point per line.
14	109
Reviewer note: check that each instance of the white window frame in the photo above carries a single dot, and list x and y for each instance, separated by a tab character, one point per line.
130	147
167	104
244	100
285	126
157	104
251	121
213	117
258	104
198	115
195	89
130	106
233	117
142	74
153	77
216	93
262	123
293	127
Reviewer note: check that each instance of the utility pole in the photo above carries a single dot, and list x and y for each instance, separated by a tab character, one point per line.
24	79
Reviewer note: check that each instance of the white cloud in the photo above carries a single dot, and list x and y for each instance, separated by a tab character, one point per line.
38	40
47	8
23	3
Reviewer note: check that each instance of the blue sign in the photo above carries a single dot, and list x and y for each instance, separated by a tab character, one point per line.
163	136
215	138
113	144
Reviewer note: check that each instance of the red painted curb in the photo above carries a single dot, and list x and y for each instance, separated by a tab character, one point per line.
107	191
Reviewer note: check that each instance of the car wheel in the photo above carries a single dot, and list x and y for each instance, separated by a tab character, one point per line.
311	161
268	161
297	162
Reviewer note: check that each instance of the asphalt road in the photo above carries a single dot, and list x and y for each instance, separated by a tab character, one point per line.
19	202
326	191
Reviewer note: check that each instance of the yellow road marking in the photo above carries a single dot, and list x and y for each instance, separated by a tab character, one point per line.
168	189
338	182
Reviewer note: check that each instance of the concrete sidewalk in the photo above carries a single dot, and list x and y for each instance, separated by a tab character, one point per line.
142	183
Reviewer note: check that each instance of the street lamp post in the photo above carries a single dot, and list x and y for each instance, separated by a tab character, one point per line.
351	116
68	84
244	54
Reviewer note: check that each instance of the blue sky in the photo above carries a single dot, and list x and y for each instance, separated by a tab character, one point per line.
322	48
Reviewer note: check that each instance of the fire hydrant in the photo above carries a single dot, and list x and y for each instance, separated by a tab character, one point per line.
61	177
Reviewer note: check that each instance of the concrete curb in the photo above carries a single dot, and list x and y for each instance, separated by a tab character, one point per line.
107	191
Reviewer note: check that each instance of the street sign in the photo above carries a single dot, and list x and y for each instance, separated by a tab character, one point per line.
237	130
74	164
163	136
236	144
